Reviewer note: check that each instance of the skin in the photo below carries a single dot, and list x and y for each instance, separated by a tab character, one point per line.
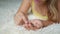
41	7
32	24
23	9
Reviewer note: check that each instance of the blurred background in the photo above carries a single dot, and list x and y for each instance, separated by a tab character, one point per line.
8	8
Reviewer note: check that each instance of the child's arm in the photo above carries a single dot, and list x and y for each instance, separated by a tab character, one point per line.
25	6
21	17
46	23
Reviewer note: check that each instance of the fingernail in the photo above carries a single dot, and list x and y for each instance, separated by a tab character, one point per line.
26	22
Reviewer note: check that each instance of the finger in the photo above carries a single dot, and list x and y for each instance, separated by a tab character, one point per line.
39	24
25	18
26	26
36	23
17	20
33	23
31	27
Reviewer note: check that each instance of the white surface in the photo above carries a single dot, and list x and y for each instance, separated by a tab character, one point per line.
7	10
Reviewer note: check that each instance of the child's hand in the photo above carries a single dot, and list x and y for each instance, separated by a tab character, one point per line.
34	24
20	18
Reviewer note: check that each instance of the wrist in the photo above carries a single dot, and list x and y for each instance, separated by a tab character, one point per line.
24	12
21	12
46	23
